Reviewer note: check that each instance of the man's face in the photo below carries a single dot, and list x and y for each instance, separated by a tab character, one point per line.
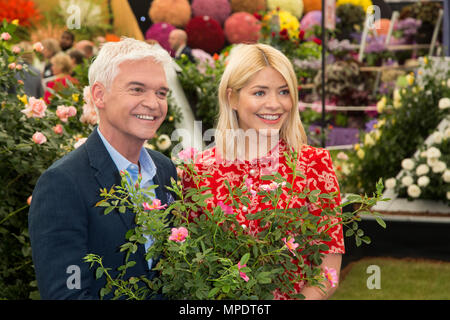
174	41
136	103
66	41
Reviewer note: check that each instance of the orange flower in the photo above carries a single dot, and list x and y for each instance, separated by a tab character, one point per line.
112	38
216	56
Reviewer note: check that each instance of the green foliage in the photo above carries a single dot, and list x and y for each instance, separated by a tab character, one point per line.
215	257
407	119
22	161
200	81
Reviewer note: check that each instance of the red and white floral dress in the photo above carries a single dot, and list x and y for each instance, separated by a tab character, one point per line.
314	163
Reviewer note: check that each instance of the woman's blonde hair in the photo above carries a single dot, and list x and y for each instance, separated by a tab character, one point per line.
246	60
64	62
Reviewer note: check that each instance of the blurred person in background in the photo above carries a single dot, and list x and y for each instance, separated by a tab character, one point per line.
62	70
178	43
66	41
32	79
51	47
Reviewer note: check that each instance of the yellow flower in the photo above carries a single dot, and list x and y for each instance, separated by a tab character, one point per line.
381	104
357	146
425	60
15	22
410	78
287	21
368	141
381	123
23	99
377	134
75	97
360	153
170	118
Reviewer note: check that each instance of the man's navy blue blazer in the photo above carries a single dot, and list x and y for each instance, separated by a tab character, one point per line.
65	225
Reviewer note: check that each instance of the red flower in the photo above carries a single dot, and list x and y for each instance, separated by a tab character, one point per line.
318	41
301	34
257	16
205	33
23	10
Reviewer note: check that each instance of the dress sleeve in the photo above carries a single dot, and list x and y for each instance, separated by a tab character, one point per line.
320	175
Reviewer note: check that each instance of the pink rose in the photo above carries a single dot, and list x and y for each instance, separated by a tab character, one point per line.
39	138
16	50
226	209
19	67
12	66
58	129
187	154
38	47
156	205
5	36
35	108
243	275
72	111
290	244
331	275
178	234
89	113
64	112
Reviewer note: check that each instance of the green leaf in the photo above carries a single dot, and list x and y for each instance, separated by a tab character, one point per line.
213	292
99	273
245	258
381	222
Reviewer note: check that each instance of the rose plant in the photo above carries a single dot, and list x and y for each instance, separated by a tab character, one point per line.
406	118
426	176
212	256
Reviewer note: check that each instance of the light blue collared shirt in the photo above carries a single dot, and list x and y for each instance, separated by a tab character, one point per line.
148	172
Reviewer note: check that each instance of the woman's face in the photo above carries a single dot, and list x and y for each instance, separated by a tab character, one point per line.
56	68
264	102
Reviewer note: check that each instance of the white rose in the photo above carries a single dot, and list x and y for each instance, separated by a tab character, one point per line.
390	183
408	164
422	169
423	181
163	143
342	156
447	133
423	154
79	142
446	176
437	137
345	169
432	161
440	166
407	181
433	152
413	191
444	103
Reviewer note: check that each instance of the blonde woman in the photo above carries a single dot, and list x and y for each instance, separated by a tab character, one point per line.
258	122
61	65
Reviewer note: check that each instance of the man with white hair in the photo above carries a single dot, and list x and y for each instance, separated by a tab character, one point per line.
128	87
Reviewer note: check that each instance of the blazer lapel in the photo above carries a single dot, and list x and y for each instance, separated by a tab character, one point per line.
106	173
